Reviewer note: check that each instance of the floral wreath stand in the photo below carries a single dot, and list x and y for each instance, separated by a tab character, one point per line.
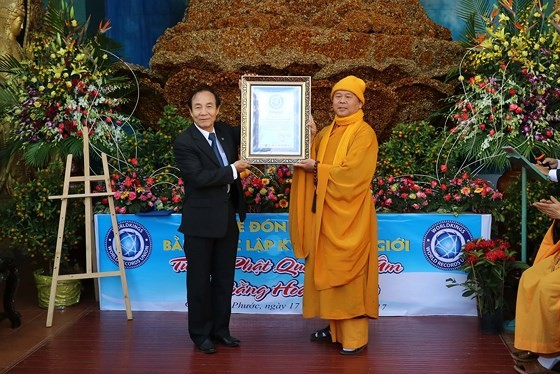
87	196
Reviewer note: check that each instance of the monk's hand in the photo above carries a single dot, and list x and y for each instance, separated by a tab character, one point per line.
241	165
307	165
312	127
549	207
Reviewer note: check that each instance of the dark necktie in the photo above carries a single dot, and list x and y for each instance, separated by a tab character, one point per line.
213	139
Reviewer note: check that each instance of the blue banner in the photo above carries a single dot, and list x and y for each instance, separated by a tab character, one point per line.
417	253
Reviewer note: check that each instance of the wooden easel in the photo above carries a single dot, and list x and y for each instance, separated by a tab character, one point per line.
87	196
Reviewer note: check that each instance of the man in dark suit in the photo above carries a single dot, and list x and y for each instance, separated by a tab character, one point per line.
207	155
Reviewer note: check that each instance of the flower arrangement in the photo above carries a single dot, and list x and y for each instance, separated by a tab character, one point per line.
148	179
268	191
135	192
418	172
510	80
487	262
62	87
446	195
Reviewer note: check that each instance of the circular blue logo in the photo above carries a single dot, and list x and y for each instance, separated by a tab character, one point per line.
136	244
442	244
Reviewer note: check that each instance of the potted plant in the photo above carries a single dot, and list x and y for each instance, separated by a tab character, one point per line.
488	263
417	150
30	224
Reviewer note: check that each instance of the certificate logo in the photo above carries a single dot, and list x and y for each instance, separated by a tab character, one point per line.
276	101
442	244
136	244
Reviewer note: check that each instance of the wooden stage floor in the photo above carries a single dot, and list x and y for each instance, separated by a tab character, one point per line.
86	340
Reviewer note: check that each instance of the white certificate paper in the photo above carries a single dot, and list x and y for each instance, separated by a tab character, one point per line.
275	117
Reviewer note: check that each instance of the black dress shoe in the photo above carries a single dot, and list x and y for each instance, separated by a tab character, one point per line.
228	341
206	347
351	352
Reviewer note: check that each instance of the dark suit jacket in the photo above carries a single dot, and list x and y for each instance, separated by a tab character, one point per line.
205	207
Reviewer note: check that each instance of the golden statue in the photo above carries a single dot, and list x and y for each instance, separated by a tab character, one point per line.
12	18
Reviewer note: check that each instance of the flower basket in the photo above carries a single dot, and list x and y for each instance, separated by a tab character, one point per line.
67	291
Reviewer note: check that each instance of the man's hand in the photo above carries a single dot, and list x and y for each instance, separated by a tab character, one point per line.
549	162
542	169
307	165
549	207
241	165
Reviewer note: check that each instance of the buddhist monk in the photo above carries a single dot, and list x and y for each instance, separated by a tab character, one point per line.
333	225
537	313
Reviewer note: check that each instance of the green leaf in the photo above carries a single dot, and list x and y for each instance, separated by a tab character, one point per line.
473	13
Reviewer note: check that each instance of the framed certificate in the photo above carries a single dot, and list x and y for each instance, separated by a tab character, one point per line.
275	111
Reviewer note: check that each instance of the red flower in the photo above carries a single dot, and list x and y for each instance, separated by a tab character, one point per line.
496	255
128	181
472	260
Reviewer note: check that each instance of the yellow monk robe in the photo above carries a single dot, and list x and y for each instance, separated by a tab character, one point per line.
537	317
339	241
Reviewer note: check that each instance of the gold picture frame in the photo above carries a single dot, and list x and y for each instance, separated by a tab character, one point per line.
275	111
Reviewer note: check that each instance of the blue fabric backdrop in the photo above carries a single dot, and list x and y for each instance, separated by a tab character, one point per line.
136	25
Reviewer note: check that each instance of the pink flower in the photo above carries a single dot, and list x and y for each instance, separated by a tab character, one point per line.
497	196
